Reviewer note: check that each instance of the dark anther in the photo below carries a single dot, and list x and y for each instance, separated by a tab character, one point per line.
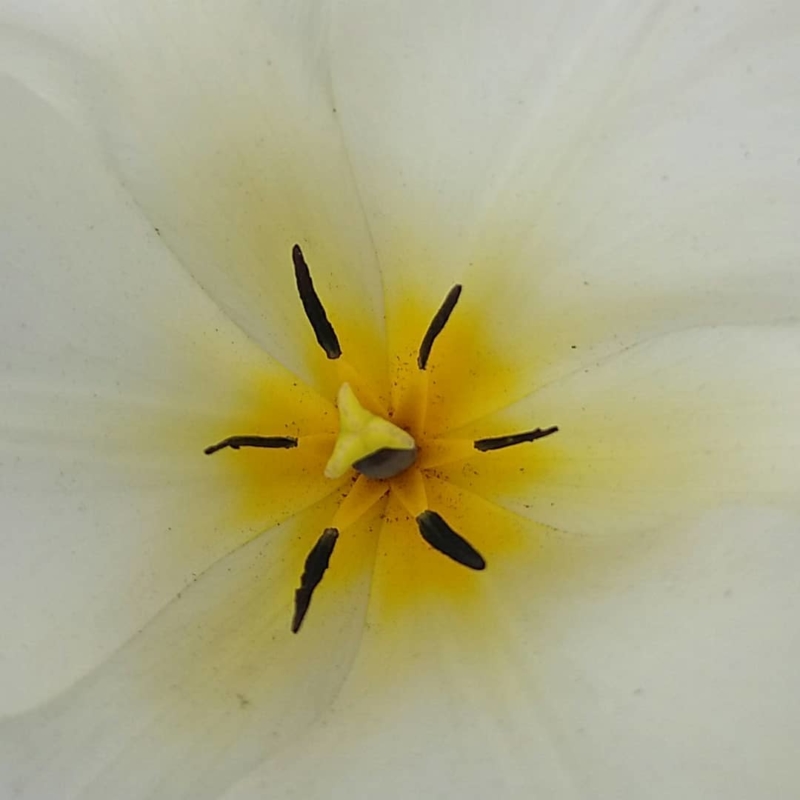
437	324
270	442
316	564
323	329
386	462
439	535
499	442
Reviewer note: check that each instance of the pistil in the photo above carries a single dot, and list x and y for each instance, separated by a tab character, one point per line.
372	445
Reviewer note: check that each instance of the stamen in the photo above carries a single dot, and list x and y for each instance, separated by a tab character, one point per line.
439	535
316	563
437	324
499	442
323	329
235	442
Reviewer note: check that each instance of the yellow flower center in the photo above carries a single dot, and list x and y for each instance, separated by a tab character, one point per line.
381	449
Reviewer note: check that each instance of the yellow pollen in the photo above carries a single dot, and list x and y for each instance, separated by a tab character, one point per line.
361	434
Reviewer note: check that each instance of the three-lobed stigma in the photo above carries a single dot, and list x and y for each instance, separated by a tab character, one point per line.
368	443
384	454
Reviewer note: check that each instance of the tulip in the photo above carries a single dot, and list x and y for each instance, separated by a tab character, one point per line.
485	316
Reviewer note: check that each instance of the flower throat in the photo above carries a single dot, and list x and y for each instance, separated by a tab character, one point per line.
385	456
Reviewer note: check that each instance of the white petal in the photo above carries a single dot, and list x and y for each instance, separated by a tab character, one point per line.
117	372
591	172
594	640
612	669
212	686
222	125
685	422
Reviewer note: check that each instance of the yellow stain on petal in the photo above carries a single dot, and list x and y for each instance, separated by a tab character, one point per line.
362	387
359	500
410	491
439	452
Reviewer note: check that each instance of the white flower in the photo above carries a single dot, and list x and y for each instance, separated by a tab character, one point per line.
616	187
